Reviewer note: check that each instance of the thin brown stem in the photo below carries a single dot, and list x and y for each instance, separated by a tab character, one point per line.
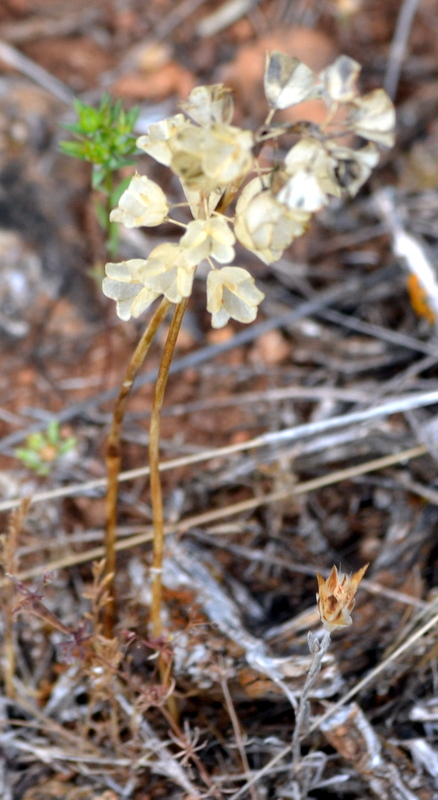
154	464
237	735
113	459
191	751
10	566
156	492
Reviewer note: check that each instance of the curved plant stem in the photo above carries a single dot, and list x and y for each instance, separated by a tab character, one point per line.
319	651
154	463
113	459
237	733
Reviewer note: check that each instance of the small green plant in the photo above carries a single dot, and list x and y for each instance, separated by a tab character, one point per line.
104	137
44	450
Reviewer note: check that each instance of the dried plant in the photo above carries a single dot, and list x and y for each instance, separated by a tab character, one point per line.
239	199
218	163
336	597
335	601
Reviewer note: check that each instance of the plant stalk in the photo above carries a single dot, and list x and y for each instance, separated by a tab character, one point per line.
113	460
112	230
154	463
312	675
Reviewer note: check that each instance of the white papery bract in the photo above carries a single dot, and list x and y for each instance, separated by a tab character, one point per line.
135	284
167	271
209	157
340	79
187	160
353	167
287	80
264	225
312	157
228	153
303	192
124	284
231	292
210	237
373	117
208	104
143	203
319	169
156	141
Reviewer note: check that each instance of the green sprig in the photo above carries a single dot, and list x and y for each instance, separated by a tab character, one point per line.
104	138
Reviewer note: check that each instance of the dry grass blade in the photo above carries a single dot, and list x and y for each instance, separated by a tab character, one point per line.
232	509
18	61
399	42
269	439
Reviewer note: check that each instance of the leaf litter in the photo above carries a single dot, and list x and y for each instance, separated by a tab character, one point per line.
83	716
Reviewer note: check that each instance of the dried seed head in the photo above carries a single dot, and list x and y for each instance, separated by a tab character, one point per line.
335	597
212	159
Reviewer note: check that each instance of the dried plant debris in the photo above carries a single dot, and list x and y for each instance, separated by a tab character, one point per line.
305	440
186	569
385	770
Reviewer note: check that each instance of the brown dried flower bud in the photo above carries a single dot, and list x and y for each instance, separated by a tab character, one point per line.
335	597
